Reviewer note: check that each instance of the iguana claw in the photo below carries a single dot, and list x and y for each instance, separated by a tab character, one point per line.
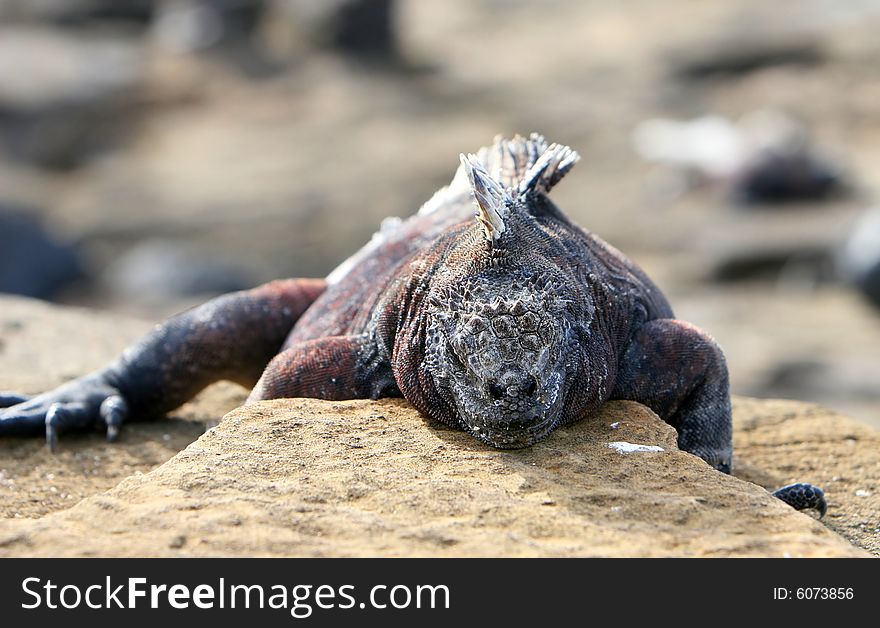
73	407
65	416
113	411
802	496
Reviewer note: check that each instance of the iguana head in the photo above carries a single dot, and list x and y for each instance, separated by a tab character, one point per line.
496	349
500	338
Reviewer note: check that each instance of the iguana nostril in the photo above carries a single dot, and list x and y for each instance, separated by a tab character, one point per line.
495	391
527	388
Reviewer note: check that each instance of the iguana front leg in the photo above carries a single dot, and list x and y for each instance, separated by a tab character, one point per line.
680	372
335	368
231	337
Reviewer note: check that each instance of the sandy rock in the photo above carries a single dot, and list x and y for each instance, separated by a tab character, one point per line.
42	346
777	442
311	478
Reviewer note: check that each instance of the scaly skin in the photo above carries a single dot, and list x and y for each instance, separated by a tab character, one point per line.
506	327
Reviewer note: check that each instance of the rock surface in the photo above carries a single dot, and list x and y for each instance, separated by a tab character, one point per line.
360	478
777	442
313	478
42	346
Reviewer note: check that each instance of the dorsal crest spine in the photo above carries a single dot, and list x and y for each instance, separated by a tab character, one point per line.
493	201
553	164
512	169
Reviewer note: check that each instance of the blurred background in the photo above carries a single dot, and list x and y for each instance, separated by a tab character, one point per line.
156	152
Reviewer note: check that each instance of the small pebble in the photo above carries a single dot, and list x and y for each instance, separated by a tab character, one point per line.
627	448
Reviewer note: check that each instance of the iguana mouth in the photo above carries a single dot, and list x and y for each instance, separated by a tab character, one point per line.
513	434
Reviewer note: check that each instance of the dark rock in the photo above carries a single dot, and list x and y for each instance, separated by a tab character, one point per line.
795	248
362	30
193	25
734	57
766	158
77	13
869	284
61	137
750	264
364	27
817	379
228	31
32	262
783	177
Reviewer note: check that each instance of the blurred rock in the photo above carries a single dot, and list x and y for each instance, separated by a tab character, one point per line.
228	31
765	158
780	177
40	67
740	53
783	165
794	249
815	377
65	97
780	253
858	260
32	262
162	272
194	25
749	263
360	29
61	137
261	37
712	145
72	13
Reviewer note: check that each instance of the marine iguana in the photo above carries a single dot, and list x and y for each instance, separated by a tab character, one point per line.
506	326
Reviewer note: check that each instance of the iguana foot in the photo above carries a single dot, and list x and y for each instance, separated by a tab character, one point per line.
76	406
802	496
